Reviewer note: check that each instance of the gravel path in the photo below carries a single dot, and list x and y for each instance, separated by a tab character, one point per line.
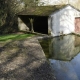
23	60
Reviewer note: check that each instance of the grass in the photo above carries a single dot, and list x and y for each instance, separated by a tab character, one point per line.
14	36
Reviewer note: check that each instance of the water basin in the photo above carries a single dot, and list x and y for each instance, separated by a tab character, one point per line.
63	54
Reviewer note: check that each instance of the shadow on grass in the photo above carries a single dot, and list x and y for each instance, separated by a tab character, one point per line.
25	63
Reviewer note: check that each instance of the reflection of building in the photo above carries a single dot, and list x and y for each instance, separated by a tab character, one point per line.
63	56
63	48
77	41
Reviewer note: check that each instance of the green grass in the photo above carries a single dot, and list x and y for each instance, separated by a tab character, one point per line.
14	37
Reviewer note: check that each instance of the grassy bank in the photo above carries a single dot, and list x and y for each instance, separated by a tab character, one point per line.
14	36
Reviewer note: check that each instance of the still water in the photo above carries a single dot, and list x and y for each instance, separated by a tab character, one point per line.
63	54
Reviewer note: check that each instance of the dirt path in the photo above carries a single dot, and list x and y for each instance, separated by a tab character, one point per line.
23	60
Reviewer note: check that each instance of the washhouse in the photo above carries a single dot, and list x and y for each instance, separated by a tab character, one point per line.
54	20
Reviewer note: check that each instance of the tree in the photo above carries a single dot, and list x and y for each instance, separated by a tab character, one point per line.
8	10
2	12
8	19
29	3
77	5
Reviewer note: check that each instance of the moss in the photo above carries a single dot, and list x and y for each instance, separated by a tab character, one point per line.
41	10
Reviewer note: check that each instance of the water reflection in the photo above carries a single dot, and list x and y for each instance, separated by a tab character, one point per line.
63	54
63	70
63	48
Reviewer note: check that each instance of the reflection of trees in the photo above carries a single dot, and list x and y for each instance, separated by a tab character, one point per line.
45	45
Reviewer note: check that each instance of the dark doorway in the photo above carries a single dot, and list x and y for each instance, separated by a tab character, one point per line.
40	23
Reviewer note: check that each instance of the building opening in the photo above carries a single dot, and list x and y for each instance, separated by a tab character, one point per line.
40	23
